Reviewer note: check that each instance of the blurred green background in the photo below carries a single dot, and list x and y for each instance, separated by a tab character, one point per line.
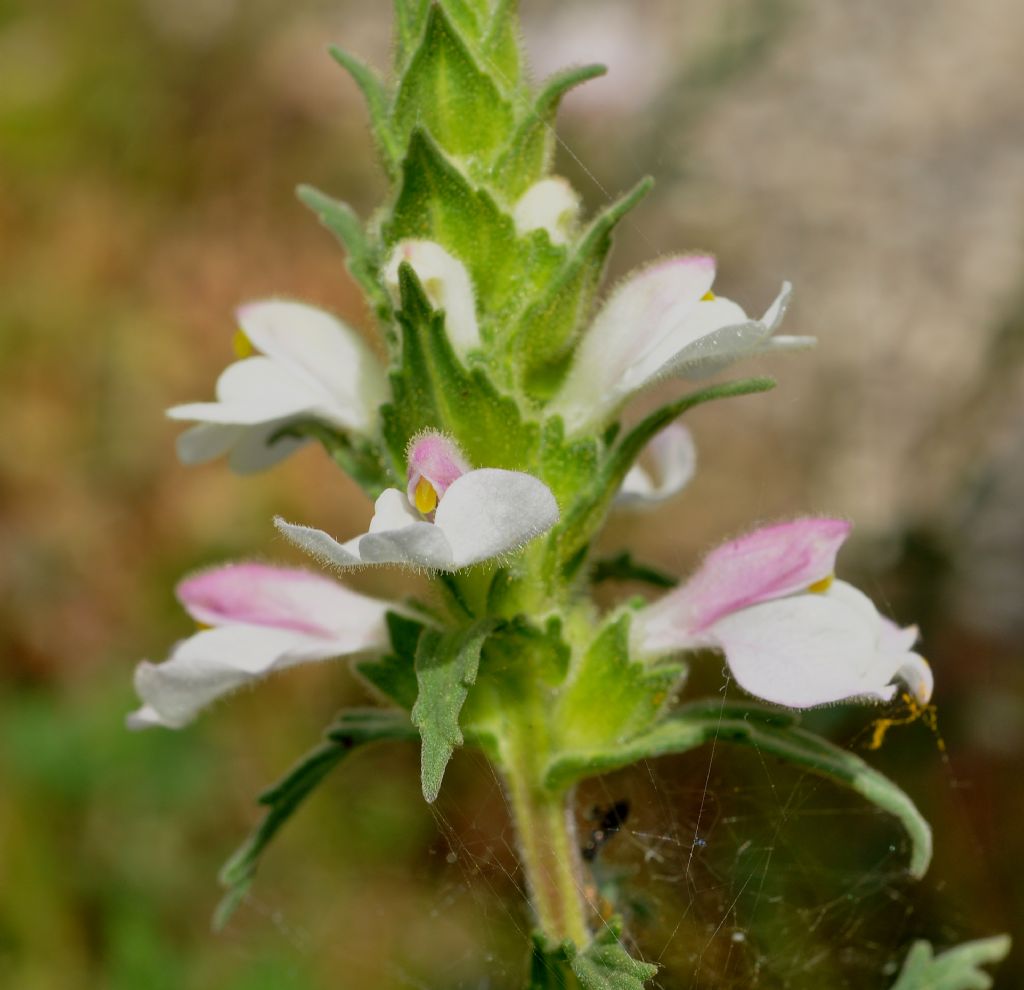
872	152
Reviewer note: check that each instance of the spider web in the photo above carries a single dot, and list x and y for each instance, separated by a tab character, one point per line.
731	870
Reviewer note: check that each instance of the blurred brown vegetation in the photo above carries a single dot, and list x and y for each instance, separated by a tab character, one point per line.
873	153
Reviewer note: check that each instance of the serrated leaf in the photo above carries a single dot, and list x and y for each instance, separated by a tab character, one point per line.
528	155
688	727
546	332
446	92
610	698
583	519
432	389
446	668
437	202
624	568
394	675
603	965
608	966
340	219
955	969
351	729
377	105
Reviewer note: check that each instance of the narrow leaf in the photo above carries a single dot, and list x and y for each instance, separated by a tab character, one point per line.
377	105
624	568
581	521
527	158
446	667
340	219
687	728
954	969
353	728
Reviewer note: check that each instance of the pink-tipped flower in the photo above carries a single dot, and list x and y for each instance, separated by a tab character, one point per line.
663	321
449	516
435	464
260	619
791	634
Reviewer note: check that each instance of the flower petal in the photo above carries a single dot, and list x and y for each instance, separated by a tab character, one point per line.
343	378
641	313
249	392
216	662
769	563
206	442
397	535
448	286
550	204
672	457
811	650
281	597
490	512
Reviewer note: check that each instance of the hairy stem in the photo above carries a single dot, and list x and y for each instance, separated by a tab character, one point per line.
550	857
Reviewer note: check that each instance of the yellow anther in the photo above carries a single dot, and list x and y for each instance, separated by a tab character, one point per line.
913	710
242	344
425	497
708	296
820	587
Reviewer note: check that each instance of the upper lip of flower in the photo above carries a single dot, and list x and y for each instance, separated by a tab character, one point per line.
312	366
662	321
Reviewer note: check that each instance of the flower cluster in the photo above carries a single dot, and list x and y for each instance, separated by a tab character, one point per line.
495	438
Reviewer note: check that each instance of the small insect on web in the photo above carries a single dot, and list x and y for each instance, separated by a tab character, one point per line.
609	820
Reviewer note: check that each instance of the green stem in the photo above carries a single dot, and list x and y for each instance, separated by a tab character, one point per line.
550	856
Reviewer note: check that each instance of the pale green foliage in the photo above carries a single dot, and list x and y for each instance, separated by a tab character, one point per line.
959	968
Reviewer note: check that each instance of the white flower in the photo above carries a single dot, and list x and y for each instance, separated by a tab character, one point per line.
663	321
671	463
262	619
550	204
448	518
447	285
312	366
790	633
